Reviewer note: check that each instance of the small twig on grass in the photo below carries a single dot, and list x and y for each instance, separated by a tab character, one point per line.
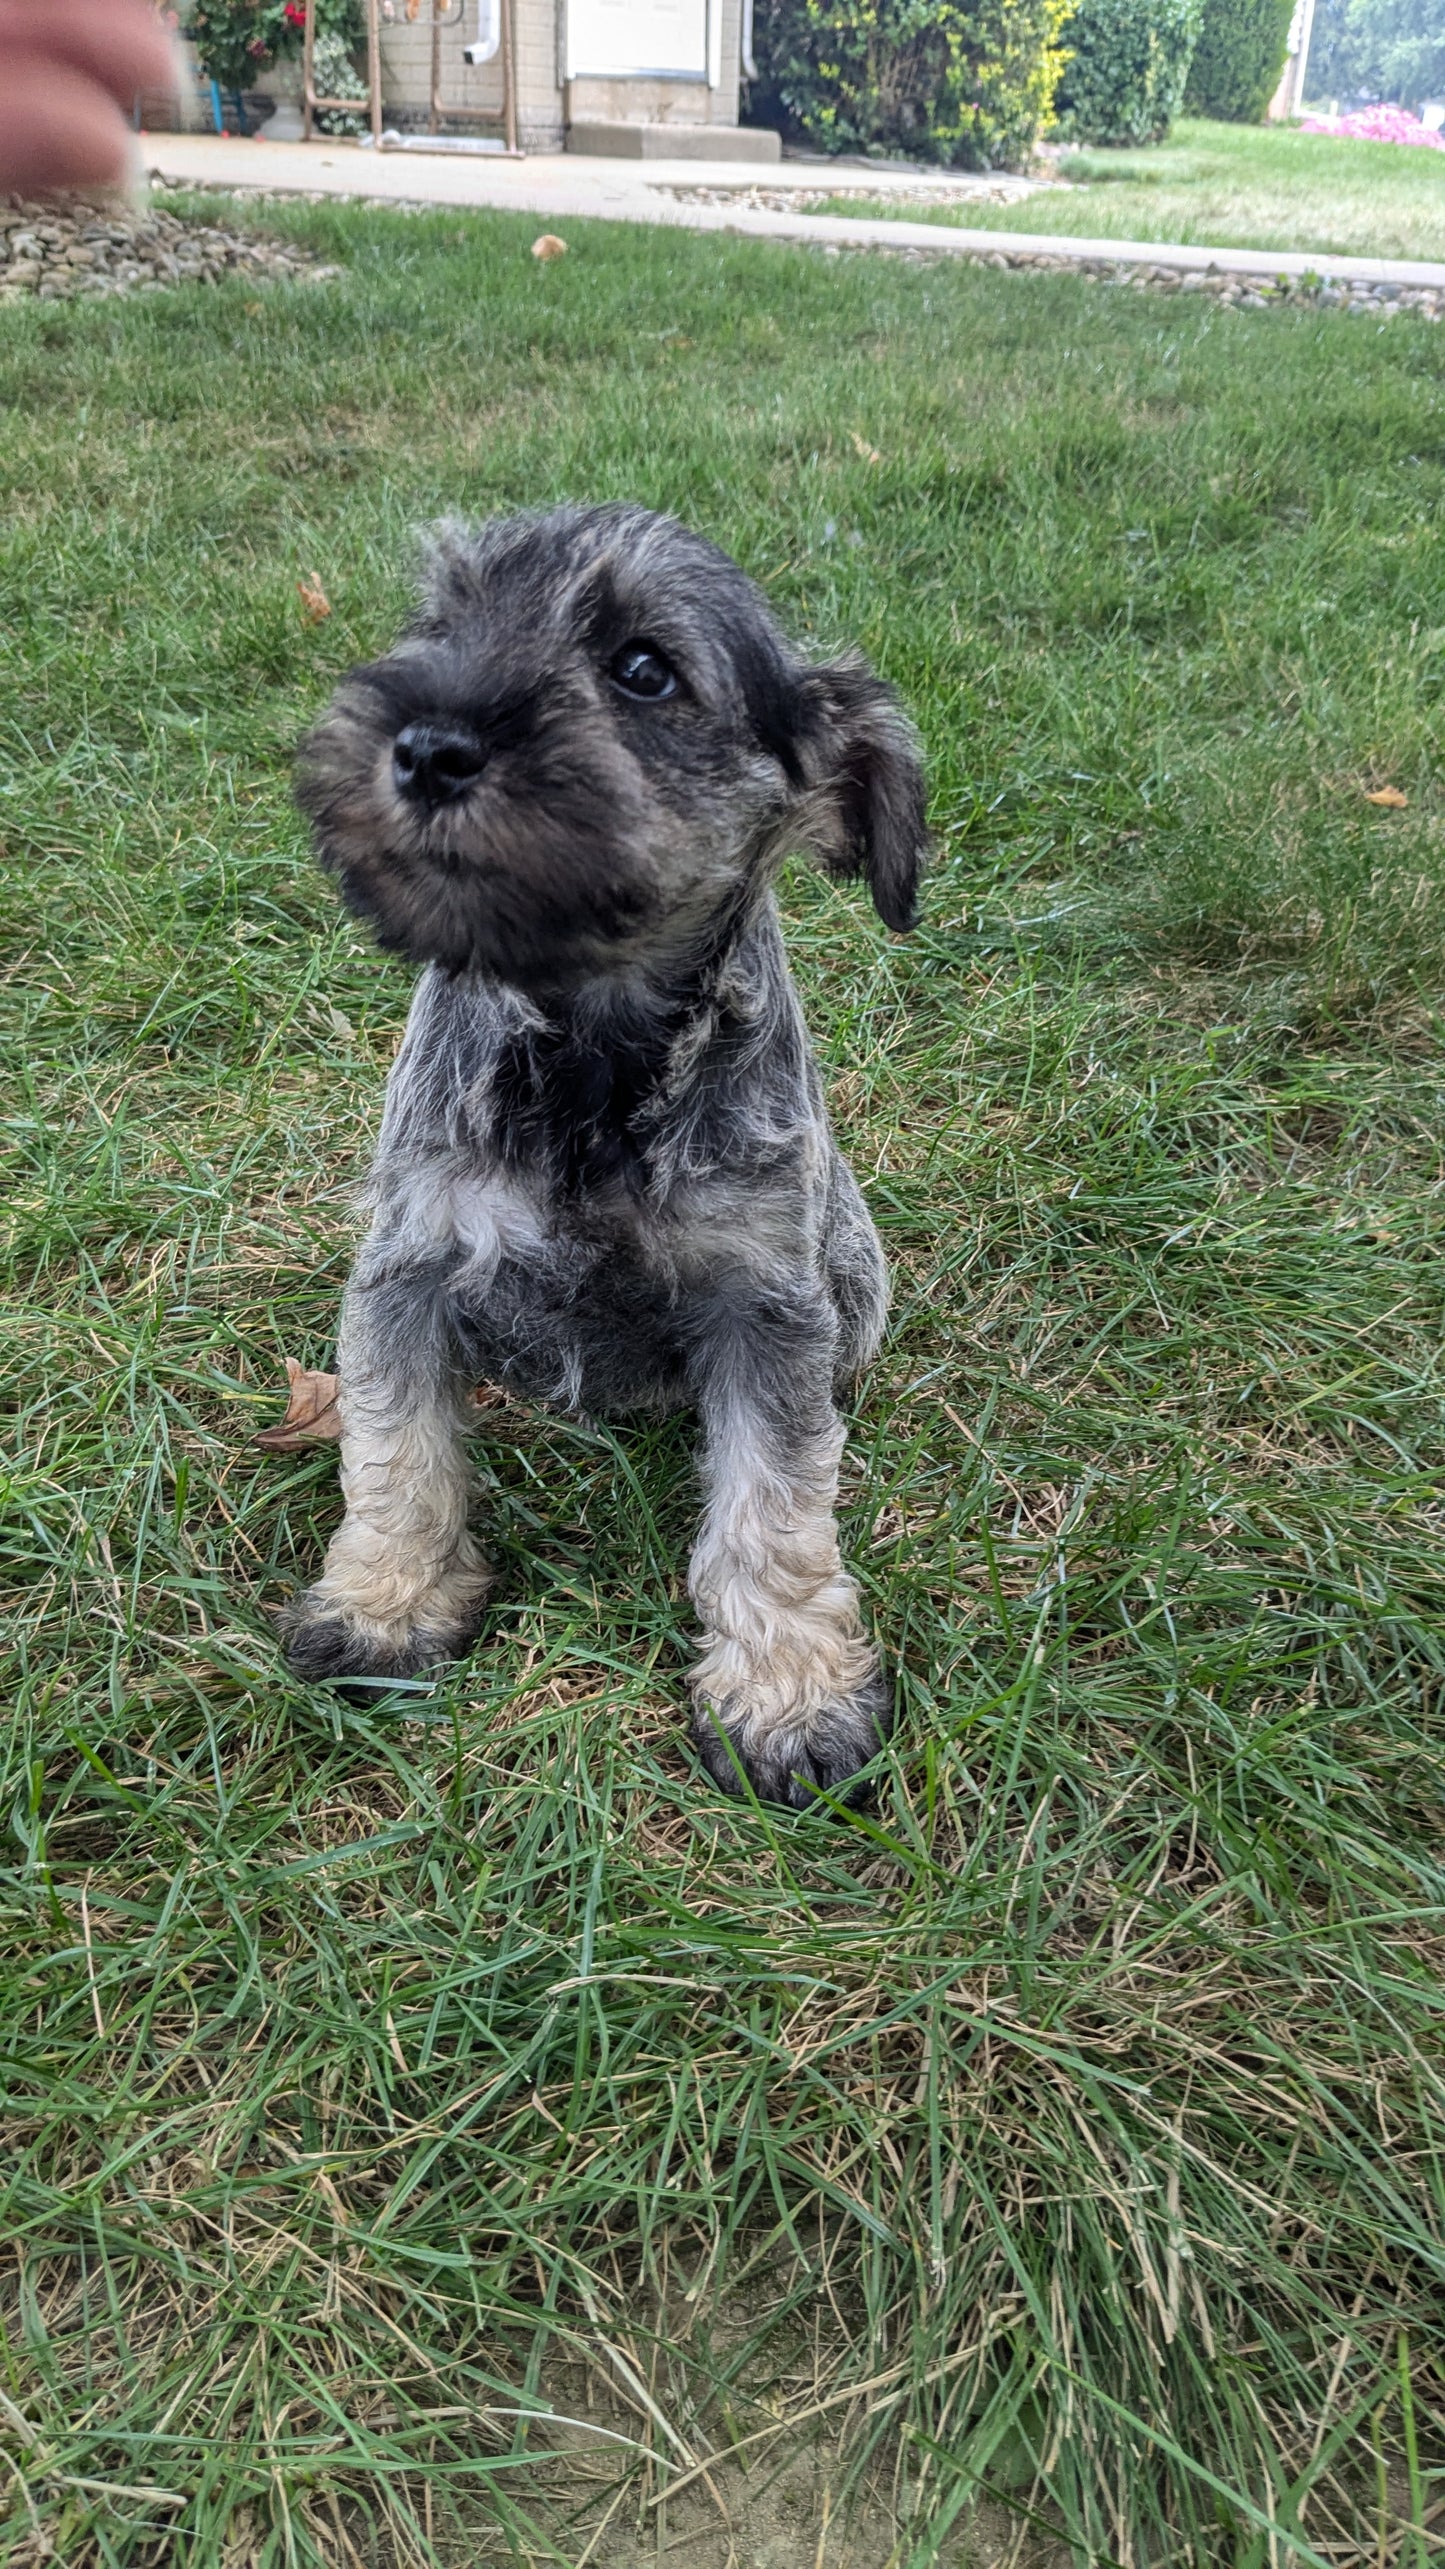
90	1958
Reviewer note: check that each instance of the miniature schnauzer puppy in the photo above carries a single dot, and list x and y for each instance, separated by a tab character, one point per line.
605	1175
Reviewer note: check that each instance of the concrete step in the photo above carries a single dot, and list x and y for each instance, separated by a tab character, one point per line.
667	142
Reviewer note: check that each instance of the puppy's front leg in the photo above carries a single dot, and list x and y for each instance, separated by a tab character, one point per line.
404	1581
788	1686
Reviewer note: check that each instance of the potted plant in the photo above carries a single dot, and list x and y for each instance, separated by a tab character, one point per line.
241	42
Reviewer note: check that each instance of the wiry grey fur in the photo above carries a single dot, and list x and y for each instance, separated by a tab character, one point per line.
605	1174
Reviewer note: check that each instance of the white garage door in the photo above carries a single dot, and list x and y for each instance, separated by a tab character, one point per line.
618	39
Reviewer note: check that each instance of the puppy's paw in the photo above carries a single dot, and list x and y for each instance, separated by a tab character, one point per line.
790	1754
325	1644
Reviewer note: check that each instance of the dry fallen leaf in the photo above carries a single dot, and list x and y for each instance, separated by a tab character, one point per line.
312	1417
549	245
253	310
869	453
1391	797
315	604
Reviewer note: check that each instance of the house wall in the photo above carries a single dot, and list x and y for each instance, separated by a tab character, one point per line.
664	102
406	72
544	106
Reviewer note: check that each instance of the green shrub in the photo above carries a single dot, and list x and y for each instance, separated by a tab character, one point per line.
336	76
1124	78
1238	59
967	82
237	40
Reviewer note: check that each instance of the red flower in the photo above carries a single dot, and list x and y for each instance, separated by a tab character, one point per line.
294	13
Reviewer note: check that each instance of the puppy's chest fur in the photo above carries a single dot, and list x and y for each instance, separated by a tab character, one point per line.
572	1113
587	1200
573	1317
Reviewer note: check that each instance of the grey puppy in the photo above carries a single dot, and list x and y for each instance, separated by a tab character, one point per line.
605	1174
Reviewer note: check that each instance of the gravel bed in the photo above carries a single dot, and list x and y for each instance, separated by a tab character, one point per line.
996	190
66	248
1223	285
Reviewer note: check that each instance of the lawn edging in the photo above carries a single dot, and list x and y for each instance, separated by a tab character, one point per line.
700	197
1062	250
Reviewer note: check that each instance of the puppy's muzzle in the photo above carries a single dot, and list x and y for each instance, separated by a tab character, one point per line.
436	763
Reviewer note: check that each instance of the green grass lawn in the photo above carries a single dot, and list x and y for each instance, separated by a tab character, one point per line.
1058	2147
1234	186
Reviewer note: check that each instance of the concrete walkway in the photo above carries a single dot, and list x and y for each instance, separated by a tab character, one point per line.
560	185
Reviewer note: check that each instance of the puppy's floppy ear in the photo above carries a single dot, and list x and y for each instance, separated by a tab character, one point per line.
865	769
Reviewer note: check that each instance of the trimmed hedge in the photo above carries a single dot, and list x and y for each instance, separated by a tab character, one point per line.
1124	79
967	82
1238	59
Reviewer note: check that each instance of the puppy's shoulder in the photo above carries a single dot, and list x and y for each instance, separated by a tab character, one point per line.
455	1029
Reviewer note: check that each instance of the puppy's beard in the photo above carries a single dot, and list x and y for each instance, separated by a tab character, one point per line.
546	873
478	887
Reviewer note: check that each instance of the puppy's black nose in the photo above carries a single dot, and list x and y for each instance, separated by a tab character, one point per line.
435	763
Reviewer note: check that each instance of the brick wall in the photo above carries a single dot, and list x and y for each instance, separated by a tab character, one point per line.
541	106
539	87
406	72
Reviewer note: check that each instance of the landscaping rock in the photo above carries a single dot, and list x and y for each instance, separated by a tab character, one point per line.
96	248
997	188
1247	293
1253	293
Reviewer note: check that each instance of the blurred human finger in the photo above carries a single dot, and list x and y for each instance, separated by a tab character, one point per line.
70	71
120	45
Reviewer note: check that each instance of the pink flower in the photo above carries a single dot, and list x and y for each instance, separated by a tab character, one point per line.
1375	125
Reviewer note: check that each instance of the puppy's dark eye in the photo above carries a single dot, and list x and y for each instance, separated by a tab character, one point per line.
642	672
